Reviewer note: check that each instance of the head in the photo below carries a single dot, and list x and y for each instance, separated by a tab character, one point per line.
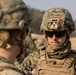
57	25
14	23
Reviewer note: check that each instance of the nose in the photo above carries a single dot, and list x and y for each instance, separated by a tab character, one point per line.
54	37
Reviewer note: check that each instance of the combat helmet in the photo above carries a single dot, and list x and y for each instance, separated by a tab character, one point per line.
57	19
14	14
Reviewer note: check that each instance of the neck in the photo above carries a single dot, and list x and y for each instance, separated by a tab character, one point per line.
8	54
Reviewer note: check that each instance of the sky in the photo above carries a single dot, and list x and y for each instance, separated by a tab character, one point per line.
47	4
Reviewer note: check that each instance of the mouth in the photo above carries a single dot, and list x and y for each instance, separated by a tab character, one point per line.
54	43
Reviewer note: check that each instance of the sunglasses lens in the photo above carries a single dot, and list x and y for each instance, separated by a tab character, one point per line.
57	34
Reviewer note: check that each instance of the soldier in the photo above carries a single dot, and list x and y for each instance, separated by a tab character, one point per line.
14	26
55	56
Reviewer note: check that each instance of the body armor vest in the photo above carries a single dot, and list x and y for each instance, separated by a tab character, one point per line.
49	66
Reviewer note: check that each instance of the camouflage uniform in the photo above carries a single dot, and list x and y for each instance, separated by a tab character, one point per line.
47	61
14	19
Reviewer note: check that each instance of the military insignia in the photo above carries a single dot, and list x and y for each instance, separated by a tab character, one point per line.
53	25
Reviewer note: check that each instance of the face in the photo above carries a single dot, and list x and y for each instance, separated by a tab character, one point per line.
56	39
15	50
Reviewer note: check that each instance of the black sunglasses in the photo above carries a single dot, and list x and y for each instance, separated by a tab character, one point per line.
58	34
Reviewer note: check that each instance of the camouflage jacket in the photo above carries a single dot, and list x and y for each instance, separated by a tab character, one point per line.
7	68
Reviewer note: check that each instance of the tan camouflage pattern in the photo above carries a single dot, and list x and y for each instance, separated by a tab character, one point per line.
29	62
14	14
47	66
57	19
7	68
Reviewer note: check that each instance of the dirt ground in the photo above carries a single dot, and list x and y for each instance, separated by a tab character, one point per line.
73	41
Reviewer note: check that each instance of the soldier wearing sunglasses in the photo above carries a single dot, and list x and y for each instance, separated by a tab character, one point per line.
55	56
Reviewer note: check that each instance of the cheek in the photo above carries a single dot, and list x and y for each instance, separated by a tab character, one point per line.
62	40
49	39
15	50
58	41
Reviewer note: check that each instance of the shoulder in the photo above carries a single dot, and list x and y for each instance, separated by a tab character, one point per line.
32	56
29	62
